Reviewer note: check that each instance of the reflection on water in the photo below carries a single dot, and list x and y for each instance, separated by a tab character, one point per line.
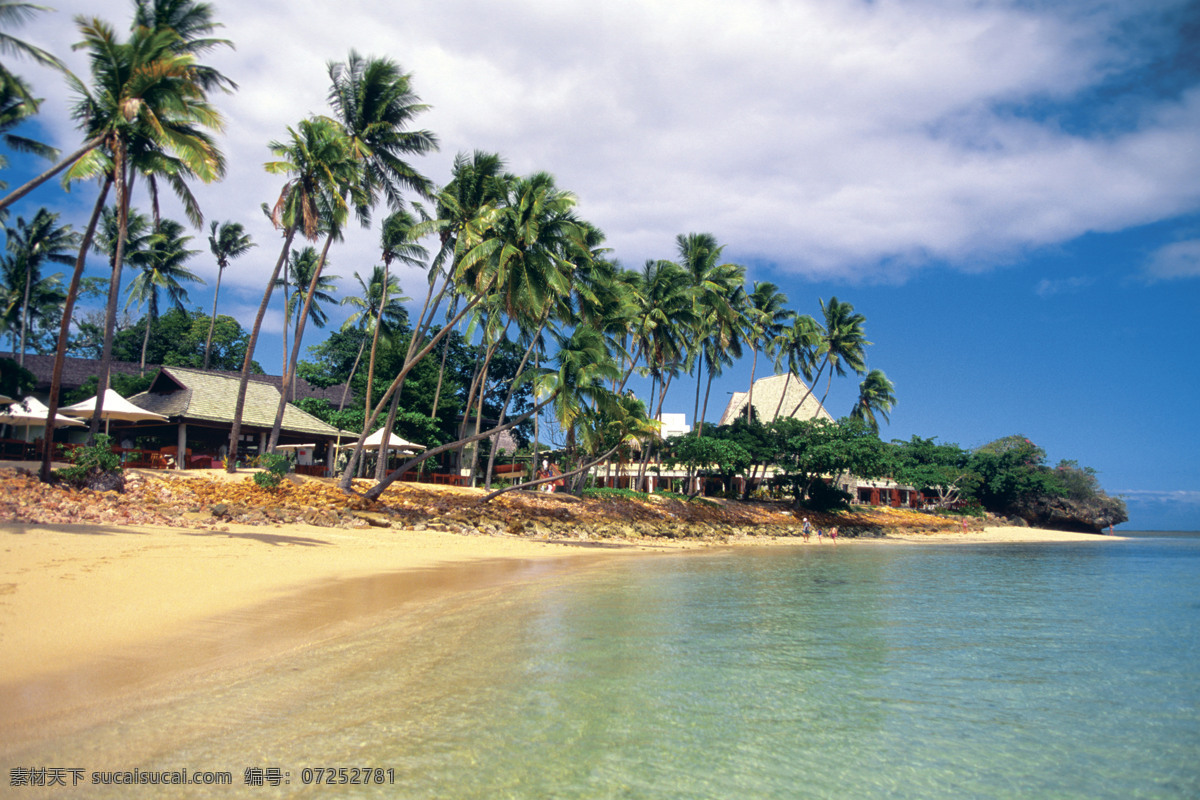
989	671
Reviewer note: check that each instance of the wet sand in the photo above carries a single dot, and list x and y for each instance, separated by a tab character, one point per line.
90	614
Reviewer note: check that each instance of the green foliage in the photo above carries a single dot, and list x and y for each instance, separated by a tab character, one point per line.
88	461
276	465
122	384
810	450
15	380
177	339
1009	470
941	469
604	493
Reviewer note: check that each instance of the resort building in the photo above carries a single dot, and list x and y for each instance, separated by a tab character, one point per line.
774	397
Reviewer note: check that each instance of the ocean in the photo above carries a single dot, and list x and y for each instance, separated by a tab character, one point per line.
864	671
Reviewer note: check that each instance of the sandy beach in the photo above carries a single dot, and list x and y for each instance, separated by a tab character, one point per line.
92	612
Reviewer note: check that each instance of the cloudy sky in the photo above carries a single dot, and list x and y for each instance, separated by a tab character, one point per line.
1009	191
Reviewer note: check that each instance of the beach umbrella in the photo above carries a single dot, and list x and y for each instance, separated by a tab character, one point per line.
375	441
5	399
115	407
33	414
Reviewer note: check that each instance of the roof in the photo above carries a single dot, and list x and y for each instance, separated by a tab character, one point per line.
207	396
76	372
767	392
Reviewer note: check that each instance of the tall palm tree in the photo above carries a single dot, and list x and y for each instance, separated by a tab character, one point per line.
800	347
380	314
163	270
714	286
766	315
373	99
226	241
876	397
151	115
843	344
397	242
32	245
302	265
316	158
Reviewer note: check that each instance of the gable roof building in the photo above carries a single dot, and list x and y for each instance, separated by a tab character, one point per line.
208	399
782	392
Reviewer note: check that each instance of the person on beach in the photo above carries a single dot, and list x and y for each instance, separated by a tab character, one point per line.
543	473
820	533
833	534
807	529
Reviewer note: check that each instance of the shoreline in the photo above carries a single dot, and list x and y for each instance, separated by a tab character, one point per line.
92	614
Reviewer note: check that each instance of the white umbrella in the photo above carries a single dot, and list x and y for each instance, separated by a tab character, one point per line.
35	415
5	399
375	440
115	407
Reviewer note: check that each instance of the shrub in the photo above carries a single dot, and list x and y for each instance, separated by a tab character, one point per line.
91	463
276	465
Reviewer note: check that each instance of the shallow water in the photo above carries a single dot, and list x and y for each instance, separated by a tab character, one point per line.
868	671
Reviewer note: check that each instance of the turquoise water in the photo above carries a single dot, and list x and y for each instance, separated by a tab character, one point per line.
939	671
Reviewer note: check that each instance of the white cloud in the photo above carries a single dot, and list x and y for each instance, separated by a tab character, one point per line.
824	137
1174	261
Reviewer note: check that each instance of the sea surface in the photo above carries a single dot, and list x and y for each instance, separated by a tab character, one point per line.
860	671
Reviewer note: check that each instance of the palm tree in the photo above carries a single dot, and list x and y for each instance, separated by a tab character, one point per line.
397	242
765	318
193	24
163	270
380	313
303	264
373	100
316	157
713	286
17	103
800	346
32	245
36	305
226	241
876	396
150	114
843	344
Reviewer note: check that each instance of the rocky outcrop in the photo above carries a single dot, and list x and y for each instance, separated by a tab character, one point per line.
1065	514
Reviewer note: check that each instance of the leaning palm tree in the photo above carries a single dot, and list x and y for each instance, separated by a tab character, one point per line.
876	397
32	245
316	158
151	115
164	270
226	241
373	100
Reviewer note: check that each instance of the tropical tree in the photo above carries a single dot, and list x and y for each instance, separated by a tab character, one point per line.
379	310
373	100
715	286
226	241
164	269
317	159
17	103
766	317
32	245
843	344
876	396
150	113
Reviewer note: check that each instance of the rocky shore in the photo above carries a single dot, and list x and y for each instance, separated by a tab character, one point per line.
212	499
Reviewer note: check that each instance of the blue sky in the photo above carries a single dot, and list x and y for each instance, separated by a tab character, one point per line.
1009	191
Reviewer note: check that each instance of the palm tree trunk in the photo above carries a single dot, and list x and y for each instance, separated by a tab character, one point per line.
212	322
25	310
285	390
810	388
786	383
382	460
20	192
562	476
124	190
750	394
437	393
378	489
409	362
375	334
64	331
353	369
236	429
